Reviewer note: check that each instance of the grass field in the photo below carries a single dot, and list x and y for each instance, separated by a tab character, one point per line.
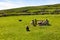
12	29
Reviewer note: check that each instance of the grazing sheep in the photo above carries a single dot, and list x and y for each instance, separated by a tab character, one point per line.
40	22
27	28
43	22
20	20
34	22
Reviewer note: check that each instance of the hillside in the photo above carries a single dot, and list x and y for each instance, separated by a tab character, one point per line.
32	10
43	23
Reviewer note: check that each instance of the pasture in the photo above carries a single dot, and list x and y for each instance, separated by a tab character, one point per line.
13	29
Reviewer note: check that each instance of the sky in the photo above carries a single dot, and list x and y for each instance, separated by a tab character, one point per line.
7	4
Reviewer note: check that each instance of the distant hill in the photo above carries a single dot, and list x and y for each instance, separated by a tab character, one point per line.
32	10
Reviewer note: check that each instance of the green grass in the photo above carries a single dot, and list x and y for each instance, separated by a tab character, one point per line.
12	29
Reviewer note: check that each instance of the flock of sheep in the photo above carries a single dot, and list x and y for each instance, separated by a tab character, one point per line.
36	22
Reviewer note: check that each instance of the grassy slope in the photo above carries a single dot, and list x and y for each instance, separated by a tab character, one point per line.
12	29
31	9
